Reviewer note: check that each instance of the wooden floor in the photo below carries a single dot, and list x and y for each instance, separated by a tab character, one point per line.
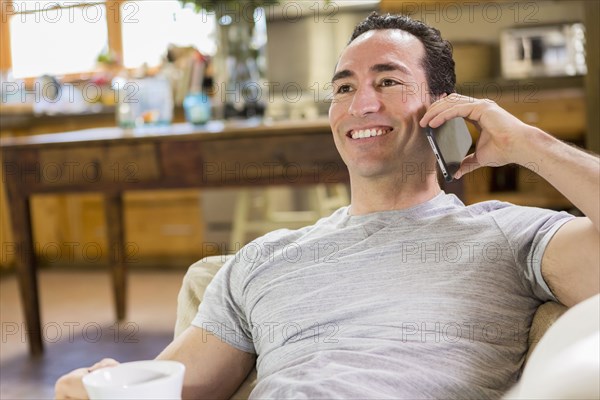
79	328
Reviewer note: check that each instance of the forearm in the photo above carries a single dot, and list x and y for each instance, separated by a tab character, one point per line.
573	172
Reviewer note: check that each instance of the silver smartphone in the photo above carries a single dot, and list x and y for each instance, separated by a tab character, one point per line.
450	143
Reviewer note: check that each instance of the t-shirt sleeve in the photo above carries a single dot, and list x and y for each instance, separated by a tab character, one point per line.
222	312
528	231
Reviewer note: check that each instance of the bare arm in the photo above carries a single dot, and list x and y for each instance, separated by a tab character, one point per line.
214	369
571	262
575	173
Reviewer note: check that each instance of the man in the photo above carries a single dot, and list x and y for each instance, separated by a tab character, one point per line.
406	293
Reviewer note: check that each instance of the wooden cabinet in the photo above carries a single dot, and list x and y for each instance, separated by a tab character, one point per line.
163	229
560	112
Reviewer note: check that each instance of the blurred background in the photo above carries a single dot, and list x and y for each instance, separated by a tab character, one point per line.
71	65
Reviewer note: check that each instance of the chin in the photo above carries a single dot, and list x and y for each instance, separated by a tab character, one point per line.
371	171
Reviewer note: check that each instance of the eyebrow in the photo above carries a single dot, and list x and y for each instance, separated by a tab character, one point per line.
384	67
391	66
345	73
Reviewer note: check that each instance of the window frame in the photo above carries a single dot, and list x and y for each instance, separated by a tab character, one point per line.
113	23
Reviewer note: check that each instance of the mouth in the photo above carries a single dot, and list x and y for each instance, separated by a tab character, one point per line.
358	134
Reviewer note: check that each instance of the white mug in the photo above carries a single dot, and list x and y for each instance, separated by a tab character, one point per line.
151	379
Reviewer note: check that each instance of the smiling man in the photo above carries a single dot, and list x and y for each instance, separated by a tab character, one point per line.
407	292
380	94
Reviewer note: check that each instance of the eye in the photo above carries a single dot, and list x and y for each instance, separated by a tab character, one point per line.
343	88
389	82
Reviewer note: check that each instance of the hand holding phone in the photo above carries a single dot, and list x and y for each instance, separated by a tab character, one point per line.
450	143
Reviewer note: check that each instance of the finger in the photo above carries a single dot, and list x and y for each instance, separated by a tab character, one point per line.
70	386
431	112
441	96
469	111
106	362
468	164
442	105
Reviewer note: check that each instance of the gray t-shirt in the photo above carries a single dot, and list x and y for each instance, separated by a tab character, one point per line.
434	301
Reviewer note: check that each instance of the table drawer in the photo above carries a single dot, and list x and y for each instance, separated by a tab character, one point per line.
94	166
250	161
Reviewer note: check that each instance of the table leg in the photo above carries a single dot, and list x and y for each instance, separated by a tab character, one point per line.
26	271
116	252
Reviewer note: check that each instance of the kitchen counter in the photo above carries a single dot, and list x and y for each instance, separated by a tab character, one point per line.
177	131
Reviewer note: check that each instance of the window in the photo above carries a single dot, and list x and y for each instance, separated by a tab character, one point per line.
150	26
56	37
66	37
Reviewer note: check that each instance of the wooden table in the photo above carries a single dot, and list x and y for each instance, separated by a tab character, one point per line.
114	160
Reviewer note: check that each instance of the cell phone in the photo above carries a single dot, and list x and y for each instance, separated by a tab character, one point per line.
450	143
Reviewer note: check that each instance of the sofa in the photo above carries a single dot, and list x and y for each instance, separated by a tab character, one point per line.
201	273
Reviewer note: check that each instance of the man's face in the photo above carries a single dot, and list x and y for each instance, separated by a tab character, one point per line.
380	88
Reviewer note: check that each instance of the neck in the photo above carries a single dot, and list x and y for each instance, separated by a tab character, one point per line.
385	194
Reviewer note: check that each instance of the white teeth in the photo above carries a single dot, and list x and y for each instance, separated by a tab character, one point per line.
366	133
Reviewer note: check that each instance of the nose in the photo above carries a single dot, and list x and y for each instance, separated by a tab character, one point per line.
365	101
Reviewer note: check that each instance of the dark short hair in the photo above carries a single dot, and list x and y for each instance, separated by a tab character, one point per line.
437	62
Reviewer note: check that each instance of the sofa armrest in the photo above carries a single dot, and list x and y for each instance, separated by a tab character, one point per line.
566	362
